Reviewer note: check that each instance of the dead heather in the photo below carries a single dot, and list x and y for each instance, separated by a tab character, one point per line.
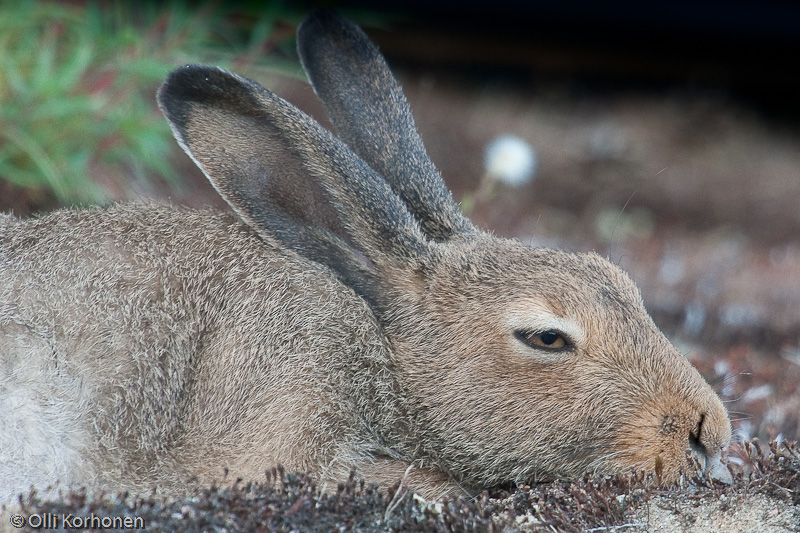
764	497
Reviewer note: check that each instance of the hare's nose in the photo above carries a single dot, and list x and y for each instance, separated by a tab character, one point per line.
712	464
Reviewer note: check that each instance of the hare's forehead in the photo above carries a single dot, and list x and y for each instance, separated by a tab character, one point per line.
572	300
579	279
537	278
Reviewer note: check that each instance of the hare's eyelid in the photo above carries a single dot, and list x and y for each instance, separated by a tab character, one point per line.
551	340
535	317
527	346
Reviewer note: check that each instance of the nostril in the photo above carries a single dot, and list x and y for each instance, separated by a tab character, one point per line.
696	445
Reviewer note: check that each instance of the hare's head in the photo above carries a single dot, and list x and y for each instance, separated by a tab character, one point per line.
530	364
514	363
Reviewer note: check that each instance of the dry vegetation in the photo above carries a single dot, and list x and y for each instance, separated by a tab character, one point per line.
764	497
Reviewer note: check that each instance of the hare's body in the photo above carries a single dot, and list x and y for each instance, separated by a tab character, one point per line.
350	316
139	351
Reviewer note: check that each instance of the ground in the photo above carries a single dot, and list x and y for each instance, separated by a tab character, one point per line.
765	497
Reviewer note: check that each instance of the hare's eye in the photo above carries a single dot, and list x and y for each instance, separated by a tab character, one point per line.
549	340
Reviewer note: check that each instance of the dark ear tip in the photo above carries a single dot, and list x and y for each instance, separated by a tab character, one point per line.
198	84
321	18
325	24
190	82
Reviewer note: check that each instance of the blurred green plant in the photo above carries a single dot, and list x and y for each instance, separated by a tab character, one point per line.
78	81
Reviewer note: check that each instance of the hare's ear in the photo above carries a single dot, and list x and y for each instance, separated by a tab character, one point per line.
367	106
288	177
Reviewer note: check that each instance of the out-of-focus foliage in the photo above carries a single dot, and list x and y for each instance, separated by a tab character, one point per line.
78	81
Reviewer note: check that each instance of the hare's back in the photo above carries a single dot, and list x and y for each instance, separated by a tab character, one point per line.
135	285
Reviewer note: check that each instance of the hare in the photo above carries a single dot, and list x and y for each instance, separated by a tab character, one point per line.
347	316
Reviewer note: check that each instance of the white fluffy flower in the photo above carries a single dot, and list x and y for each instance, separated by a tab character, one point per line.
510	159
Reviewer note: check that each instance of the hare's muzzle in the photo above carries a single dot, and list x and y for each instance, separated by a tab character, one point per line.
710	458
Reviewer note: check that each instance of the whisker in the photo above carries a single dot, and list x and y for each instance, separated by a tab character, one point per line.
730	378
733	399
719	381
619	215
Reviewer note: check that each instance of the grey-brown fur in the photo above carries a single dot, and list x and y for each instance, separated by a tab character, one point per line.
350	316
